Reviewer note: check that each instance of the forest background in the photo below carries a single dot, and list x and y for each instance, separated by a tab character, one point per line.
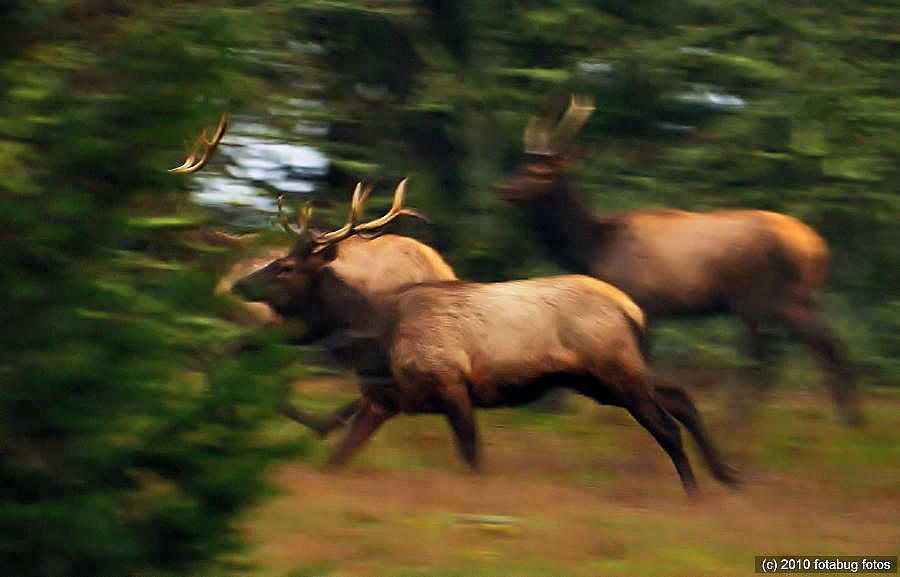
133	413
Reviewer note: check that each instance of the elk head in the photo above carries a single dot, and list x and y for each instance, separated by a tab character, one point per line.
545	147
289	284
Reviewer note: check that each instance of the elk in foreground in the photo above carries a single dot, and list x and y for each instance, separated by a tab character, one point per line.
453	346
326	280
755	264
330	280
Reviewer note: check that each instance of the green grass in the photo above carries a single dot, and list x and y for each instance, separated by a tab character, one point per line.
589	493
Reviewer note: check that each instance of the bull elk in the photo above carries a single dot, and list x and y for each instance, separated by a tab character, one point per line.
326	280
330	280
754	264
453	346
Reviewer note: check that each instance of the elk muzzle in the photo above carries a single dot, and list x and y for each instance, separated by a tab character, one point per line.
257	286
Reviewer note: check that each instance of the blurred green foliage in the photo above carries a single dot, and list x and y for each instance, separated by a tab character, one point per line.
700	105
131	415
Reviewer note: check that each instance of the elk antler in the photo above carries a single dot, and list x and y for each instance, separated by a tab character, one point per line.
192	165
359	196
572	121
350	228
396	210
302	218
538	138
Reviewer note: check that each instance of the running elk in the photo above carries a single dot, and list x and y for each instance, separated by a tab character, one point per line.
330	281
755	264
326	280
455	346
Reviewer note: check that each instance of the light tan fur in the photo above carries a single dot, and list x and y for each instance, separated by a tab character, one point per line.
501	335
806	249
456	346
386	262
760	266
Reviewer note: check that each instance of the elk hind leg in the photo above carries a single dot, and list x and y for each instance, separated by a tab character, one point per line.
653	417
679	404
368	418
632	391
321	425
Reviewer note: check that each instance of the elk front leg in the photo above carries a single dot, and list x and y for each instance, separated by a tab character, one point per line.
321	425
368	418
806	325
458	409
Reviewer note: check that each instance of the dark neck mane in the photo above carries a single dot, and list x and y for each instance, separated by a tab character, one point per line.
569	228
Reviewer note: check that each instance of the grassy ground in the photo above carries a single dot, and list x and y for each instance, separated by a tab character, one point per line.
584	493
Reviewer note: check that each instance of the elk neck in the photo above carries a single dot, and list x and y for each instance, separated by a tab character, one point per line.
570	228
347	306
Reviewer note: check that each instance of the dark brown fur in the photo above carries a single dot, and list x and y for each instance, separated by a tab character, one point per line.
755	264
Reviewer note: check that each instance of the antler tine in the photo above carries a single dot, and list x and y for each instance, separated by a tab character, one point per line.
190	165
347	229
572	120
303	217
396	210
211	145
283	220
201	140
360	196
536	136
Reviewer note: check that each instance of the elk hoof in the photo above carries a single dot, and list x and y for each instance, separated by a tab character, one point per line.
693	494
333	464
729	475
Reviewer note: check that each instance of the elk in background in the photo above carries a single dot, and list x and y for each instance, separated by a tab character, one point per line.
326	280
755	264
